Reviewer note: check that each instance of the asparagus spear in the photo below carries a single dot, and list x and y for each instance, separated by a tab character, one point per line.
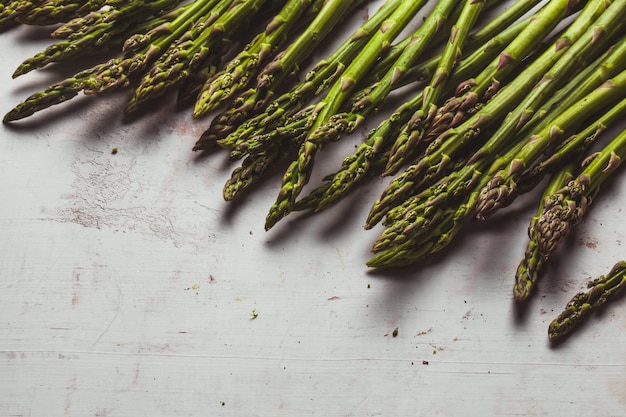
316	81
423	228
374	151
298	172
9	13
495	26
465	176
190	52
295	127
428	168
253	113
586	81
470	94
362	100
565	208
190	87
255	165
507	178
408	139
54	11
141	50
427	222
245	65
505	19
419	216
106	28
530	267
456	213
287	60
80	23
344	123
600	291
252	169
44	12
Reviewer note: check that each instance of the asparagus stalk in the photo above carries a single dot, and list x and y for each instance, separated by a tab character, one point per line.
530	267
448	144
423	228
287	60
245	65
418	216
427	222
253	168
284	119
190	87
241	71
106	28
489	200
408	139
565	208
599	292
374	151
586	81
189	53
449	203
223	124
49	12
141	50
366	158
470	94
464	170
80	23
504	20
337	125
9	13
253	113
55	94
299	171
342	124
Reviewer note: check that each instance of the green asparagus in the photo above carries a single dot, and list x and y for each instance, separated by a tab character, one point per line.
600	291
298	172
429	167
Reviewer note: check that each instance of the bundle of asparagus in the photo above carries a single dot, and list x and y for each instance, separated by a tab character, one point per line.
498	102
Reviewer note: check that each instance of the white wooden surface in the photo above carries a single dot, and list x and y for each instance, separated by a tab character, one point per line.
127	288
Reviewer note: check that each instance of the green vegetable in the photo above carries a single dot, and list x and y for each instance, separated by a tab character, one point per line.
600	291
477	108
299	171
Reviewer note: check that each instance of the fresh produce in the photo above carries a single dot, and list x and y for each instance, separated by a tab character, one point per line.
235	76
600	291
566	206
496	104
314	117
107	28
436	158
574	147
258	110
